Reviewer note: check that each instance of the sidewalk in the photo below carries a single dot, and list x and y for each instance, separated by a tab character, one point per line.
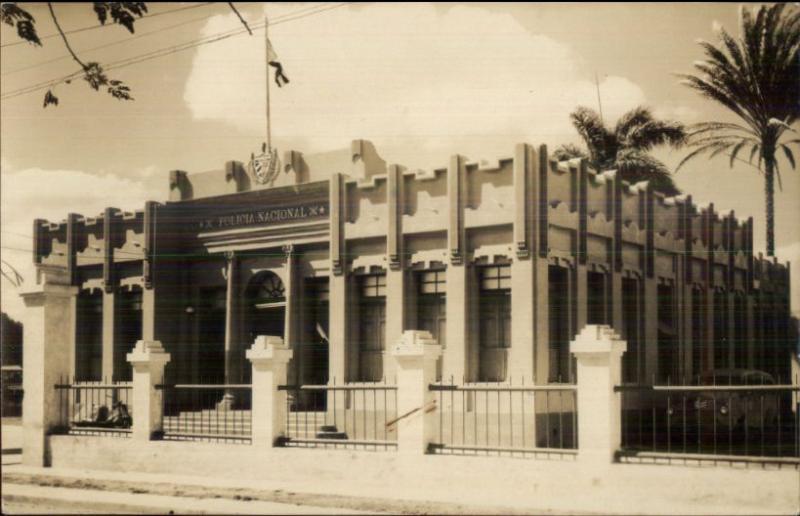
159	493
20	499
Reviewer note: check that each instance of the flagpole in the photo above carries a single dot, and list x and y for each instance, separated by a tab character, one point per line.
266	73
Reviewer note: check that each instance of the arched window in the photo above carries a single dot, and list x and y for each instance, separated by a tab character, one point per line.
267	289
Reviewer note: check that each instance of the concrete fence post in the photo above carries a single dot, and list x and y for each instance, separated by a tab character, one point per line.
598	351
147	360
269	357
47	360
415	354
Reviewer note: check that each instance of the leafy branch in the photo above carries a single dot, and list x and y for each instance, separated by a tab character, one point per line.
121	13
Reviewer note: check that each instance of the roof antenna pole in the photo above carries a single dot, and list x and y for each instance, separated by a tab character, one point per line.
599	104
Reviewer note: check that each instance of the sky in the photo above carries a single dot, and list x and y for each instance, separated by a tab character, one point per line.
422	81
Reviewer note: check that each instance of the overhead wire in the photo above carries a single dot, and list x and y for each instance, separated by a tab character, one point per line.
101	26
122	63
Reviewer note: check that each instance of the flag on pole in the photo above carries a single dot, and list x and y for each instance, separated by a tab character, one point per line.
272	59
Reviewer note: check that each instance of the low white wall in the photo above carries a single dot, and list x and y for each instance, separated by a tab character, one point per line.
521	483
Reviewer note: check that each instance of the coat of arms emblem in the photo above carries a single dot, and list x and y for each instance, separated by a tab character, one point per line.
265	166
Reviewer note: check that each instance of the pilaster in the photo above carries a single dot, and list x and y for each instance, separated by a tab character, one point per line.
598	352
147	360
416	353
48	359
269	357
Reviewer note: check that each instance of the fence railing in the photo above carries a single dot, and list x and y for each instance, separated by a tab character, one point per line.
333	416
94	408
202	412
737	422
502	418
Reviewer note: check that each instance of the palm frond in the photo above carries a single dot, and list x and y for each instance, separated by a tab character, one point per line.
590	127
569	151
789	155
635	166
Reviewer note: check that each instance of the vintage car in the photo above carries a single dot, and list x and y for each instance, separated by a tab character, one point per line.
728	399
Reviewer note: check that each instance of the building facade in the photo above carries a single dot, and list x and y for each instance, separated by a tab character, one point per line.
502	262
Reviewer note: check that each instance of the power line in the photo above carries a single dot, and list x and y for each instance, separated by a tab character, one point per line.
92	27
100	47
168	51
126	40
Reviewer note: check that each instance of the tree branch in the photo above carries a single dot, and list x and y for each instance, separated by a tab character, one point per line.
240	18
64	37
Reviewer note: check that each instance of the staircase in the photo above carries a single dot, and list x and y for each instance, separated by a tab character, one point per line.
210	422
311	425
238	424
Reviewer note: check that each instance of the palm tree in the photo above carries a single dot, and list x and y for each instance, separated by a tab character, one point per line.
757	78
626	147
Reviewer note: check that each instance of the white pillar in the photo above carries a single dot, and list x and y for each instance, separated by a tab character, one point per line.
520	359
269	357
147	360
109	314
454	363
598	351
48	359
232	365
395	323
415	354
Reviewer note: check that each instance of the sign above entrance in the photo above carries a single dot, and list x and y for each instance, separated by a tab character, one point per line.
261	216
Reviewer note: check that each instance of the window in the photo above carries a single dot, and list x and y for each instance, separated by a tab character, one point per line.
631	329
558	299
668	358
432	282
372	326
596	298
128	330
496	278
89	337
270	290
698	332
721	340
373	285
494	320
431	305
740	331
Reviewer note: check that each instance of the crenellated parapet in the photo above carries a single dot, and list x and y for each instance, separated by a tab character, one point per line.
91	247
537	207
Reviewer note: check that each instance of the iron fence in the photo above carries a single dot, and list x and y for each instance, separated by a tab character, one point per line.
206	412
719	422
360	416
94	408
506	419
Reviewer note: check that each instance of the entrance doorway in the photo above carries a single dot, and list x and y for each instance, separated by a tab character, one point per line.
266	309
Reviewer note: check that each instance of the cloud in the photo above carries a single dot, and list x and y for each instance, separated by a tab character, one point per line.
408	77
51	195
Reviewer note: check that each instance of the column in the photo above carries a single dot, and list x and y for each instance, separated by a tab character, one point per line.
542	334
455	354
48	359
337	346
269	357
291	313
598	351
395	315
520	356
416	353
109	315
231	349
147	360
